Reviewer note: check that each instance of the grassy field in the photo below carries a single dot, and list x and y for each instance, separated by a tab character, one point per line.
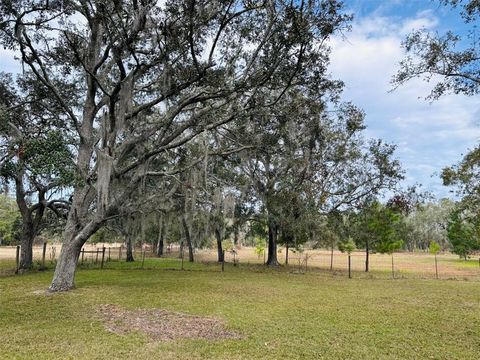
277	314
407	264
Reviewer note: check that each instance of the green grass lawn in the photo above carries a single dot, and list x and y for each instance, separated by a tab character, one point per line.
280	315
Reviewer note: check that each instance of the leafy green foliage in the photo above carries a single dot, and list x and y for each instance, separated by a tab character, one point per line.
10	221
389	247
434	248
451	60
377	225
50	157
465	176
259	246
347	246
105	235
463	233
227	245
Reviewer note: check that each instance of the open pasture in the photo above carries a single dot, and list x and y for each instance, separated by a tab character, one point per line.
245	312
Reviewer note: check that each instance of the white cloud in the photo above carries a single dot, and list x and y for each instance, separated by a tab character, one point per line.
429	135
424	20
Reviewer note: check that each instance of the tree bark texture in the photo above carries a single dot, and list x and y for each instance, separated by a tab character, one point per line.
130	241
272	244
26	245
31	220
64	276
188	238
161	234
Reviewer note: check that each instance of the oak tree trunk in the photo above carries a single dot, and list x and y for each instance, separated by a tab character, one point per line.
272	245
189	239
219	245
130	257
26	241
64	276
161	233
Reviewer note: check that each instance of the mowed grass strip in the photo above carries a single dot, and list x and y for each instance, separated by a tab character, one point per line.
279	314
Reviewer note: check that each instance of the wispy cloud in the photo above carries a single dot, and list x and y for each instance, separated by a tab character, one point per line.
429	136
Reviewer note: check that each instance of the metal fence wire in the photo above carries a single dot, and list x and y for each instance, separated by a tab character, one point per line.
405	264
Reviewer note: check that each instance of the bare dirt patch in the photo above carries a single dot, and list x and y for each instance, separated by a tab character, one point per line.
163	325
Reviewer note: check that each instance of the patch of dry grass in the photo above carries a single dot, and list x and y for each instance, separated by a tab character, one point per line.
160	324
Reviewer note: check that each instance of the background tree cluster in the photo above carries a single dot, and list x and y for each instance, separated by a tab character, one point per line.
196	121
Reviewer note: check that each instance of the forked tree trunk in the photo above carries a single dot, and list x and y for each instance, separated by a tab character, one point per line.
272	245
219	245
30	222
64	276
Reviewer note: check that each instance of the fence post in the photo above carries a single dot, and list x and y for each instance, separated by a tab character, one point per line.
306	262
109	254
182	257
17	259
143	258
223	261
83	254
43	254
103	256
120	253
96	258
393	269
349	267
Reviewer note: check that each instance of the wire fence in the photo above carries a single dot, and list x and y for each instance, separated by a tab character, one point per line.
398	265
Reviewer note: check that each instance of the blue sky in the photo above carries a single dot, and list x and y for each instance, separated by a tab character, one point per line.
429	136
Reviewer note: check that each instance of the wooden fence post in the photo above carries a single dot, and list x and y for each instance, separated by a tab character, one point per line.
103	257
109	258
349	267
17	259
223	261
393	269
120	253
83	254
182	257
143	258
96	258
